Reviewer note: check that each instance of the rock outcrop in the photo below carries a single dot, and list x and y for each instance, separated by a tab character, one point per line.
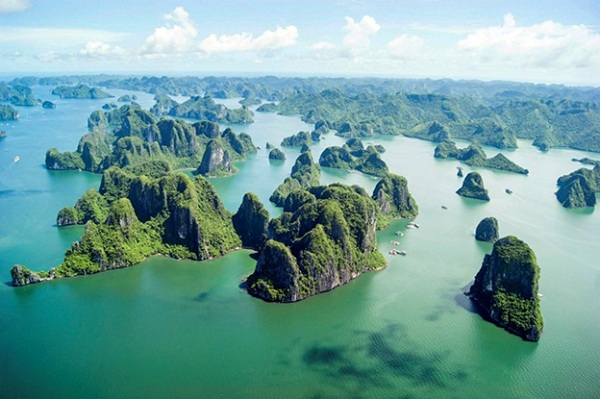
251	222
487	230
472	187
305	174
276	155
393	198
216	161
506	289
353	155
48	105
579	188
324	243
474	155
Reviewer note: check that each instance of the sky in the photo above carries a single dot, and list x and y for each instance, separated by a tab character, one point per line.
547	41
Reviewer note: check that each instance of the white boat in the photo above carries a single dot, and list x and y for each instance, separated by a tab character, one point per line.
16	159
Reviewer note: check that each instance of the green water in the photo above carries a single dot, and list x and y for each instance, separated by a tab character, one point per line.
184	329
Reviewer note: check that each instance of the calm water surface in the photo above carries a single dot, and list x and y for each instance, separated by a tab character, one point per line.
185	329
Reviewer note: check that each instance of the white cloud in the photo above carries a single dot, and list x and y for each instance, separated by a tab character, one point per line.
324	51
360	32
268	40
175	37
99	49
404	46
8	6
545	45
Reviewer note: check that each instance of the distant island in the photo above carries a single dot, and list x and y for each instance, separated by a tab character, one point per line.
474	155
80	91
129	135
354	156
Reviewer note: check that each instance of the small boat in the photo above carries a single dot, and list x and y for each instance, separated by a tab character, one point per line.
399	233
16	159
444	207
412	225
508	191
394	242
397	252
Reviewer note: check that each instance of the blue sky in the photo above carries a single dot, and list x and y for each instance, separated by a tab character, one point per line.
552	41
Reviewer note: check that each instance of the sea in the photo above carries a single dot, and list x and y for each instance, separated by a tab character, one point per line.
167	328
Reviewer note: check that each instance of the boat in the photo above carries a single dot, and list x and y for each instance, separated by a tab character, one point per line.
412	225
444	207
16	159
399	233
397	252
394	242
508	191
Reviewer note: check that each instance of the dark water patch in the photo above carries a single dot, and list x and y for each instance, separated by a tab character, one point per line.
381	360
13	192
463	300
202	297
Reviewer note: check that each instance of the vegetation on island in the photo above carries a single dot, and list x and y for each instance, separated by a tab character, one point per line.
317	245
301	139
487	230
472	187
305	174
578	189
48	105
18	94
394	199
80	91
129	135
251	222
474	155
139	212
506	289
353	156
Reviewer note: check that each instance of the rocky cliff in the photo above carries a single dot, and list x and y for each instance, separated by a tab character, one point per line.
327	241
215	161
251	222
305	173
506	289
579	188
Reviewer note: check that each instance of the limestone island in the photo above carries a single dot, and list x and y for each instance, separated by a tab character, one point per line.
276	155
474	155
506	289
472	187
8	113
48	105
578	189
487	230
301	138
138	212
324	238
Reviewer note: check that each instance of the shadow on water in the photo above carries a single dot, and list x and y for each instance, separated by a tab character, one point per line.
380	361
202	297
463	300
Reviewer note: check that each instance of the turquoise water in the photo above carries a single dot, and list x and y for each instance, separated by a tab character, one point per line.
185	329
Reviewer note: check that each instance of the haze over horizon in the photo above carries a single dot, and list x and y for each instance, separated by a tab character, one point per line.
547	42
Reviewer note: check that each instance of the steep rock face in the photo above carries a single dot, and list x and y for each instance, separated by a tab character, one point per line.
579	188
137	216
487	230
506	288
472	187
393	198
251	222
325	242
216	160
